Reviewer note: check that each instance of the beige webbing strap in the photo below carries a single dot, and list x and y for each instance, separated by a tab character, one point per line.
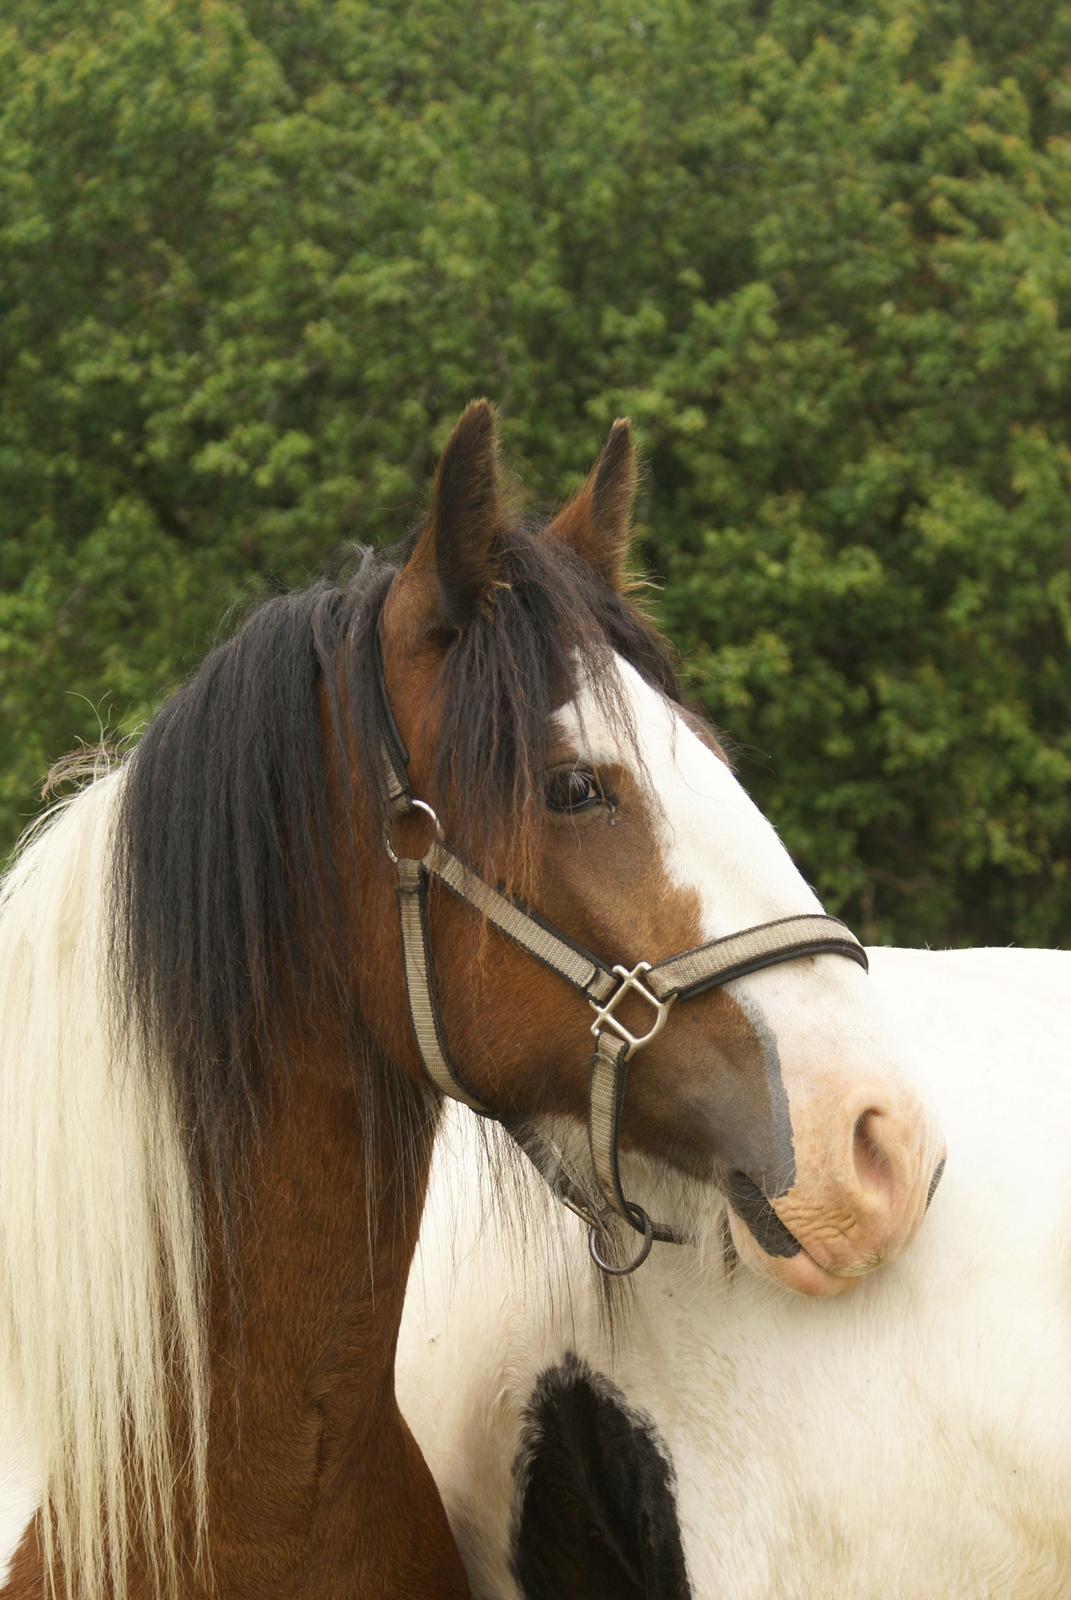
608	1066
572	964
395	789
741	953
412	912
609	1071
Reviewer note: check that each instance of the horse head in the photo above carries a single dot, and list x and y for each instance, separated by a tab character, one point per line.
543	732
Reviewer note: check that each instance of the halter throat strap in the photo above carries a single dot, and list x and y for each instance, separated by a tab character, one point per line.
600	1197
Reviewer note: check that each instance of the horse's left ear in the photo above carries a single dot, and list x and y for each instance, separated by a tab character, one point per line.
456	553
597	522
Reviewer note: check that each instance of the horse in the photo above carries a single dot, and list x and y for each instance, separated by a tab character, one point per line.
719	1437
397	840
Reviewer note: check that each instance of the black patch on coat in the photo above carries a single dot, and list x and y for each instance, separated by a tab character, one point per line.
596	1514
752	1207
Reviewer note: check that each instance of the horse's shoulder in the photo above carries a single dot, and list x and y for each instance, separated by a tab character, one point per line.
1041	975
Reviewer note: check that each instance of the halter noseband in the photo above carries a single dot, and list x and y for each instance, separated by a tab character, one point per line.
682	976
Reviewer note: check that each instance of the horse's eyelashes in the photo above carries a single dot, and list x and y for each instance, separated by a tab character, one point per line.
574	789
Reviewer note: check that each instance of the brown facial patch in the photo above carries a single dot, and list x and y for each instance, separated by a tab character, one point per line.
699	1096
706	1095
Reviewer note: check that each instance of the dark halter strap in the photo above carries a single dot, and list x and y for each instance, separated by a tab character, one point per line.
682	976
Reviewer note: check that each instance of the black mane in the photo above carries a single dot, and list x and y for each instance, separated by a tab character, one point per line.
228	868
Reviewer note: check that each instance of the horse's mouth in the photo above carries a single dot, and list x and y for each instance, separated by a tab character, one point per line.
798	1271
756	1211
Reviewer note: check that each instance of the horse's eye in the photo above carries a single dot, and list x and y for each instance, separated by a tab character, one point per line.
572	789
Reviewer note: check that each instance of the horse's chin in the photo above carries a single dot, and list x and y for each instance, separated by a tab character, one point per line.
800	1272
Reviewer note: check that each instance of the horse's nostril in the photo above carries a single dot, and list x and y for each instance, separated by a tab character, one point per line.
871	1162
938	1174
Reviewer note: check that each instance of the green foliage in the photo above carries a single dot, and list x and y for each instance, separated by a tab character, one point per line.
254	258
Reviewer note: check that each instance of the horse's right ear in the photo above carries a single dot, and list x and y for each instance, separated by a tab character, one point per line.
456	555
598	521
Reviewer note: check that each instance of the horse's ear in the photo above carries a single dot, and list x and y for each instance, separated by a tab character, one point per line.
457	548
597	522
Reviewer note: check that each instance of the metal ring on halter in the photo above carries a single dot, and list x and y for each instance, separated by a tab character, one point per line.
642	1223
414	805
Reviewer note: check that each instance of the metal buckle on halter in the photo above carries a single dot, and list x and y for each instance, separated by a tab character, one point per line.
604	1015
389	821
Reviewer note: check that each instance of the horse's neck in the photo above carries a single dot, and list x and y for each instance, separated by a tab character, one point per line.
315	1487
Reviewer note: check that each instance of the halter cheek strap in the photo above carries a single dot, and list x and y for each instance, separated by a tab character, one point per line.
680	978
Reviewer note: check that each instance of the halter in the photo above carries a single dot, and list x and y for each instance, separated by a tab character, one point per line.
681	977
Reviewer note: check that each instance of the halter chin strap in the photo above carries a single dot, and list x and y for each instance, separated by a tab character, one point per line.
661	986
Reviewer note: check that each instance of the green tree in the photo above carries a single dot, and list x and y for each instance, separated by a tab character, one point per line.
254	258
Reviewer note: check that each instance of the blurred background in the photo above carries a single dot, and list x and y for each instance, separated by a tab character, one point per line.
255	257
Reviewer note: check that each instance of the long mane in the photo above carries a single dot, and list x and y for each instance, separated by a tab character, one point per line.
156	934
100	1262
